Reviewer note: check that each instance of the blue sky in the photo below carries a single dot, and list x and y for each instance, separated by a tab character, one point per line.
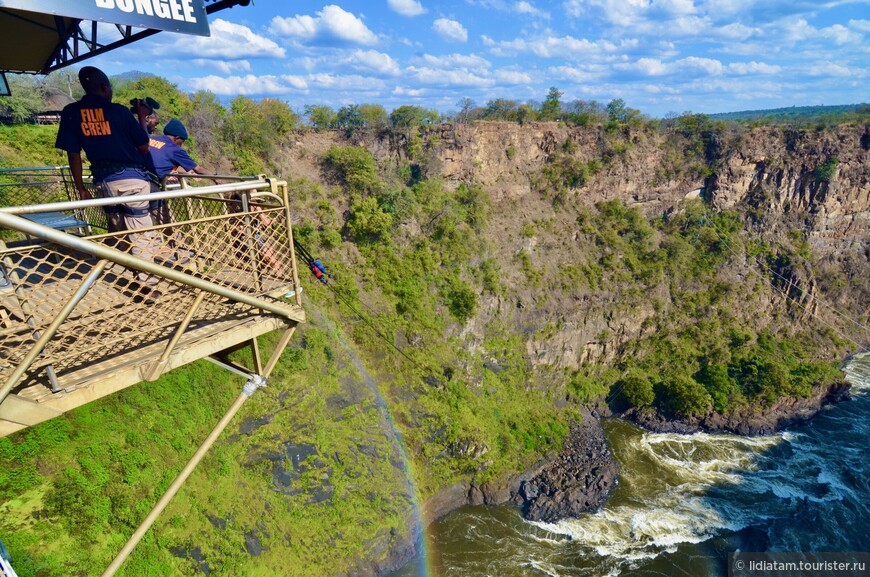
659	56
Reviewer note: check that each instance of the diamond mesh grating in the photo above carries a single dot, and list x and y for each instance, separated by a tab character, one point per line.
127	310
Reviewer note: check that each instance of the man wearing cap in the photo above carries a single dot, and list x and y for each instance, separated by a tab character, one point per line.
168	156
116	145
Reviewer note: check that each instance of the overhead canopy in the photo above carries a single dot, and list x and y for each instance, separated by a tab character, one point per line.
38	36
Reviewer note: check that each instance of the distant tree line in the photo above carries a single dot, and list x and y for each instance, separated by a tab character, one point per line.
247	133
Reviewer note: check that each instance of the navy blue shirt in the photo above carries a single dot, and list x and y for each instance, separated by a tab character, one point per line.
167	155
110	136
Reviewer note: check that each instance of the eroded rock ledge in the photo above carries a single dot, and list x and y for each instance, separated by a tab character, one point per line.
577	480
748	420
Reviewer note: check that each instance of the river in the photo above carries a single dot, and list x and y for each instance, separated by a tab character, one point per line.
683	503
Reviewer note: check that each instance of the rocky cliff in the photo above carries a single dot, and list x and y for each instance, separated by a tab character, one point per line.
807	191
787	183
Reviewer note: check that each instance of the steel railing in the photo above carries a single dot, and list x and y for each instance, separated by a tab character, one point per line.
72	302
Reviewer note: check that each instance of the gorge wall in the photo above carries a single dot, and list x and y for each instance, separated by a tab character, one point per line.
786	183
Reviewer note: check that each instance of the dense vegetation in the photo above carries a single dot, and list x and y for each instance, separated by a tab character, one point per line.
408	378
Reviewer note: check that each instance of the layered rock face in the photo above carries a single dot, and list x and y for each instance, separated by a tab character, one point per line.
783	172
812	182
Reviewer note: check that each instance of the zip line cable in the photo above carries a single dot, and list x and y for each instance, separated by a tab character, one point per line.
786	295
319	272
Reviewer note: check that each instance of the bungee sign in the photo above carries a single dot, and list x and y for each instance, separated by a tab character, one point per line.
186	16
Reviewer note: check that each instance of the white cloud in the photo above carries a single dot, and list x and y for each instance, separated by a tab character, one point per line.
450	30
333	24
694	64
796	30
223	66
374	61
529	9
735	31
466	61
576	73
574	8
441	77
860	25
648	66
753	68
344	82
402	91
228	40
691	66
406	7
840	35
551	47
830	69
622	12
512	77
249	85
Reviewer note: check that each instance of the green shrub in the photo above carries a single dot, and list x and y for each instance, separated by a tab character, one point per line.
355	167
825	172
685	396
368	221
461	301
637	389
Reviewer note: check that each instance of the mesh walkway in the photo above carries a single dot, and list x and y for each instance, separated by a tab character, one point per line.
80	317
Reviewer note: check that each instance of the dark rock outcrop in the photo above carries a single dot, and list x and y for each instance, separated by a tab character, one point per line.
577	480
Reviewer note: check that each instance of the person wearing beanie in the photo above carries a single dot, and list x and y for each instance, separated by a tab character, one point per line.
168	156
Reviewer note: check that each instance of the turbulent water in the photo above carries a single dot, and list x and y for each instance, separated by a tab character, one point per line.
684	502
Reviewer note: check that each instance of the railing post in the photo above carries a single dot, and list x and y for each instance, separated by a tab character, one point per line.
158	365
46	336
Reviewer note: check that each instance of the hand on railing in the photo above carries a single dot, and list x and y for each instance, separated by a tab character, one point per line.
84	193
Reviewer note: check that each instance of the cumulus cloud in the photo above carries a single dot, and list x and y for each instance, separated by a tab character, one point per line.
840	35
450	30
403	91
228	40
373	61
344	82
753	68
406	7
691	66
696	65
466	61
249	85
735	31
860	25
578	74
441	77
529	9
829	69
551	47
223	66
332	25
512	77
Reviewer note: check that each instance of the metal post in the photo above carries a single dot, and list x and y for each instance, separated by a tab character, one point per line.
252	385
295	271
80	293
154	372
279	348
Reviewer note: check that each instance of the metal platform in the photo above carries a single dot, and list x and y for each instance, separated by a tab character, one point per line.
81	317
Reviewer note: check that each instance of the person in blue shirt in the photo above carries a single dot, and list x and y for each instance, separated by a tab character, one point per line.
168	156
116	145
